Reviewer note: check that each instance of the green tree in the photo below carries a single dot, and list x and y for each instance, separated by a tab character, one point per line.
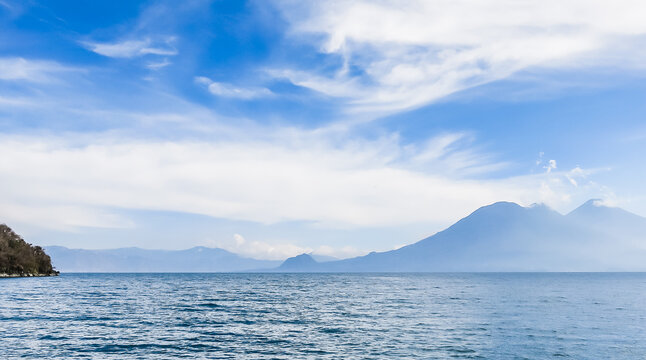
17	257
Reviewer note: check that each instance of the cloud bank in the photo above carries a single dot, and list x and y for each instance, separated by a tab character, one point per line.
256	249
292	177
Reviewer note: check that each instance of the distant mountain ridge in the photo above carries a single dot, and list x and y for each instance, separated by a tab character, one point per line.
197	259
505	236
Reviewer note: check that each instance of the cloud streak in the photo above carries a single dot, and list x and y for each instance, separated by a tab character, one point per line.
399	55
34	71
231	91
133	48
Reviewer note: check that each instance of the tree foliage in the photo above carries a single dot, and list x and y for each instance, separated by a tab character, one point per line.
17	257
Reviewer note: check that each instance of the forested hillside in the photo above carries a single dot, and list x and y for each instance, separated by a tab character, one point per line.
19	258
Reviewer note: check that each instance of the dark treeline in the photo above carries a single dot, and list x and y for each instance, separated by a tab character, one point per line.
17	257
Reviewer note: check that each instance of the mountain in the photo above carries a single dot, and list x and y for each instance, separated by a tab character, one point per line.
197	259
508	237
600	217
19	258
299	263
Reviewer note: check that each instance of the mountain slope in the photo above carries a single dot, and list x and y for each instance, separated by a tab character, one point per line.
197	259
299	263
603	218
508	237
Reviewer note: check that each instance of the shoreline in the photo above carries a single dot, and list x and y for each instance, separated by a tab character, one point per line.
6	276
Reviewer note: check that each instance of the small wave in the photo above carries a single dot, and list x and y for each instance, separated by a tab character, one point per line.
332	330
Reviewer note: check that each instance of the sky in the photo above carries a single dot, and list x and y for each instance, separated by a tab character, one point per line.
273	128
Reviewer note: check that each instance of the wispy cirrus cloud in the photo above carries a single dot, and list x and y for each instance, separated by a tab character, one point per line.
398	55
158	65
36	71
133	48
16	101
232	91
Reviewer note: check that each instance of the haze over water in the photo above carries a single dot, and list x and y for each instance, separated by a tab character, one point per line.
325	316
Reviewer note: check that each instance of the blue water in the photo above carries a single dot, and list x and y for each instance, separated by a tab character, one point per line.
324	316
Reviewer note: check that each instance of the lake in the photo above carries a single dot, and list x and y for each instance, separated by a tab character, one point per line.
325	316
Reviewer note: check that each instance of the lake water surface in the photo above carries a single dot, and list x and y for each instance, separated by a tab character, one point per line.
324	316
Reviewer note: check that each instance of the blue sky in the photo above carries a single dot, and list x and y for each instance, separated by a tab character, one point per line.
272	128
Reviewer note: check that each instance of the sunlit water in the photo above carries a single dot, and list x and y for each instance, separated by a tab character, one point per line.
324	316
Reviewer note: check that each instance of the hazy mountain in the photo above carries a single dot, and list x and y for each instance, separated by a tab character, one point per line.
500	237
197	259
300	263
595	215
508	237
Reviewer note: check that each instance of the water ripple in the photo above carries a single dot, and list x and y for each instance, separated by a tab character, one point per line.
324	316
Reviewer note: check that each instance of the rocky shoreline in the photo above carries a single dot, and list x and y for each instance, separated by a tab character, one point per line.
26	275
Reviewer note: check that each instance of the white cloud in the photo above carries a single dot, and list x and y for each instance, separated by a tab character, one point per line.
575	175
412	52
158	65
551	165
258	249
343	252
37	71
287	176
239	239
609	202
60	216
15	101
228	90
540	158
277	250
565	189
133	48
12	8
